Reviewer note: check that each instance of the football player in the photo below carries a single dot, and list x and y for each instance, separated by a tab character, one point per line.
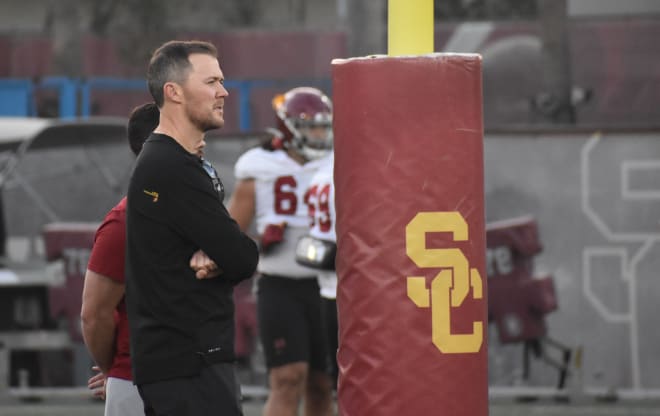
318	251
271	185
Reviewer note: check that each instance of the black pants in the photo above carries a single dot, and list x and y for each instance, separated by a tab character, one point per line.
332	328
291	325
215	391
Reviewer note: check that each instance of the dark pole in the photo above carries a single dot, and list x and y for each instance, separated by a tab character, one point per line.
3	231
555	101
366	27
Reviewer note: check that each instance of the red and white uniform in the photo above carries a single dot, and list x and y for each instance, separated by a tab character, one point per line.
321	204
280	185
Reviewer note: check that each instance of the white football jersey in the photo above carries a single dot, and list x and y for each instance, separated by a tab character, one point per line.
280	185
321	203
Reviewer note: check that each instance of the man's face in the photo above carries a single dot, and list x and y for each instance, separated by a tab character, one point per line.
204	92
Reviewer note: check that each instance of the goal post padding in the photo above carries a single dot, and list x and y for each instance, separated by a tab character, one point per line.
411	235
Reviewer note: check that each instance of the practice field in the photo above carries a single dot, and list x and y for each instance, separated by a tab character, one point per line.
70	407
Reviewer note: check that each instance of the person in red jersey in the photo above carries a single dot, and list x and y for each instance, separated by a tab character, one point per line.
103	313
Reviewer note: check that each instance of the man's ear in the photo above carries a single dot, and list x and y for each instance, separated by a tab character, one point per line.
173	92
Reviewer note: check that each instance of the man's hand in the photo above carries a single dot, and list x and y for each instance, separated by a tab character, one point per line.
96	383
272	235
204	267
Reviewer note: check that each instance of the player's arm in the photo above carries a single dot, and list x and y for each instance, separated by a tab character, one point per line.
242	205
101	295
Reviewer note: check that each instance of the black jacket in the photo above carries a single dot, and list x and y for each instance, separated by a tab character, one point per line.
178	323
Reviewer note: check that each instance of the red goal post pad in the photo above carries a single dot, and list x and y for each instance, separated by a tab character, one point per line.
411	235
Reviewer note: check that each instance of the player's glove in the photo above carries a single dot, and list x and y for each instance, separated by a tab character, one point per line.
272	235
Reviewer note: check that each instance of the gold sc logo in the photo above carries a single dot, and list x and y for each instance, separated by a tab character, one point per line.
451	286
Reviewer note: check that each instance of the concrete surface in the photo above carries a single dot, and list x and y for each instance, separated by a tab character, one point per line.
10	406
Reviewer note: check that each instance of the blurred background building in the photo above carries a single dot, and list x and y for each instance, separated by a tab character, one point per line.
579	62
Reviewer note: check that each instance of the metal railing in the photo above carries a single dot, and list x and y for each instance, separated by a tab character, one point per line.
18	96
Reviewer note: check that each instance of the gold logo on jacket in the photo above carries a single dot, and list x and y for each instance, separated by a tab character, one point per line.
152	194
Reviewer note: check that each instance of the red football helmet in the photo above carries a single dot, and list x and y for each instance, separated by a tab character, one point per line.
304	119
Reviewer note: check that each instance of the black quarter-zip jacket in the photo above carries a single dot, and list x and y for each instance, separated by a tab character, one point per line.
178	323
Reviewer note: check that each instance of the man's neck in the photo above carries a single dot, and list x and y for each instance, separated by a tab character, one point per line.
182	131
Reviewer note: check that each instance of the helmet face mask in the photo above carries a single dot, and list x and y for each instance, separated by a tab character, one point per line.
305	119
312	137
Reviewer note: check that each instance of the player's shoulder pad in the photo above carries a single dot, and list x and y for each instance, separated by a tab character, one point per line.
259	163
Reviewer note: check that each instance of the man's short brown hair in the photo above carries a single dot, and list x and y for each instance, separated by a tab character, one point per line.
170	63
